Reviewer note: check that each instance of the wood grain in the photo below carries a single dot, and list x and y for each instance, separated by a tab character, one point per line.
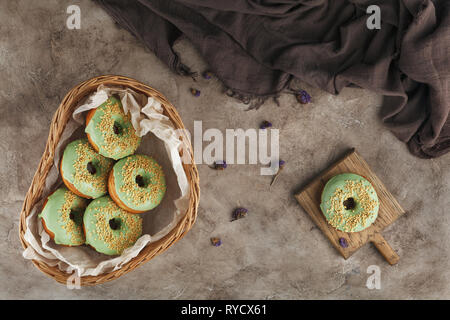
390	210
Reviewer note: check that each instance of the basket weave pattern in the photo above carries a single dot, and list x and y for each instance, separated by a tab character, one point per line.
59	121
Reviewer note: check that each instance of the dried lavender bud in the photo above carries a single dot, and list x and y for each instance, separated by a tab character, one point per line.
90	168
265	124
195	92
216	242
239	213
281	163
207	75
303	97
343	242
220	165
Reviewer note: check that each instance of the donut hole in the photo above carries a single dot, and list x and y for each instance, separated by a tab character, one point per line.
76	216
349	204
117	128
114	224
141	181
90	167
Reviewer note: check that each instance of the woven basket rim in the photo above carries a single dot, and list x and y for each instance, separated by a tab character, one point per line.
57	126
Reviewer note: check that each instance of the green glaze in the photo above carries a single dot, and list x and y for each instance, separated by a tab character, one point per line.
99	233
139	198
67	228
342	187
74	164
101	130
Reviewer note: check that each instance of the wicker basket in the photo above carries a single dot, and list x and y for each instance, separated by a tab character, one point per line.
60	119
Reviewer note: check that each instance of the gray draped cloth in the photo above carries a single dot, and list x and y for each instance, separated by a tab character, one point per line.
255	47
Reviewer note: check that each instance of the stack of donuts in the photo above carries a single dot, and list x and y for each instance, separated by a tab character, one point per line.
107	186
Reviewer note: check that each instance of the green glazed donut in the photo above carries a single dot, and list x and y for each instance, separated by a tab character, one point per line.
110	130
137	183
62	217
349	202
108	228
84	171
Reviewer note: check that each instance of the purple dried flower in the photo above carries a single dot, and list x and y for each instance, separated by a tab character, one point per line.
343	242
265	124
216	242
303	97
195	92
281	163
220	165
239	213
207	75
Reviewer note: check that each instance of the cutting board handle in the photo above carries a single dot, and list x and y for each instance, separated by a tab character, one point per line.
385	249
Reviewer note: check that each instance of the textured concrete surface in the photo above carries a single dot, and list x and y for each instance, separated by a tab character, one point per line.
274	253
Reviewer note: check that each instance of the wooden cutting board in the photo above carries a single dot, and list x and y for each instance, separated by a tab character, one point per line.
389	211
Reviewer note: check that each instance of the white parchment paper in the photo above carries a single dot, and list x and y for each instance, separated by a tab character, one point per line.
159	140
